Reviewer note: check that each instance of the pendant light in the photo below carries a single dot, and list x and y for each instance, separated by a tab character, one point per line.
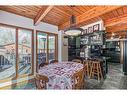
73	30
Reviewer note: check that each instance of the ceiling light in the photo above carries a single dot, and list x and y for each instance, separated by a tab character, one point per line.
73	30
113	34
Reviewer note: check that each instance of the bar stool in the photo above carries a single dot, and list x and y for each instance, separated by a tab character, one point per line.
87	67
96	70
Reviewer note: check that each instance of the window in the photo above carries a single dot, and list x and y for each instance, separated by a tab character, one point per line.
41	47
46	47
7	52
16	52
24	51
51	50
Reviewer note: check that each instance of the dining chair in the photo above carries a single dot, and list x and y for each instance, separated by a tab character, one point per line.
42	64
78	80
53	61
77	60
40	81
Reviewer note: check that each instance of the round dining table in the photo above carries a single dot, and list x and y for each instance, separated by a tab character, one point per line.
60	74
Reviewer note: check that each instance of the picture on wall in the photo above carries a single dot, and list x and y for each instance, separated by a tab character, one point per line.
85	31
96	28
90	29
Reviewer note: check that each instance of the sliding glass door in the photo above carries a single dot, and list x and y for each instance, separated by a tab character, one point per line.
46	48
51	47
24	51
7	52
41	48
16	52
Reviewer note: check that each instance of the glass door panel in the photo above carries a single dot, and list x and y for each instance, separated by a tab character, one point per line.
24	52
41	48
51	46
7	52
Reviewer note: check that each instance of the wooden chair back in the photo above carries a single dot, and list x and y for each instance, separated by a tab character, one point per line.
78	80
40	81
77	60
53	61
42	64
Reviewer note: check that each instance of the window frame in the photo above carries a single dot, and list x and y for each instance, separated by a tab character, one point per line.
56	47
17	76
32	52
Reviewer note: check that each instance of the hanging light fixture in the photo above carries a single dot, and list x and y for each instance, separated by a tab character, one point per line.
73	30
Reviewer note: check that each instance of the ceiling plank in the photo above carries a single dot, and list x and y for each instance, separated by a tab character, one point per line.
92	13
61	11
116	20
117	28
41	14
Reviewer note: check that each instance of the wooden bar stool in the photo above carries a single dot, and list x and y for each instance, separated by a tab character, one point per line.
87	67
96	70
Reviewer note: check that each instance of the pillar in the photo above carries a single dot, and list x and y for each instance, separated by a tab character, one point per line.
123	59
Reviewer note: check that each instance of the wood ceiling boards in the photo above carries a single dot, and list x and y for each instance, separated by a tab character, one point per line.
26	11
92	13
60	15
56	16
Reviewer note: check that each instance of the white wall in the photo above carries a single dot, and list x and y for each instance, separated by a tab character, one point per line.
64	48
13	19
60	46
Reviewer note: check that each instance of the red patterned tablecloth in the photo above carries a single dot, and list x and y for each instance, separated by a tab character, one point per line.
60	74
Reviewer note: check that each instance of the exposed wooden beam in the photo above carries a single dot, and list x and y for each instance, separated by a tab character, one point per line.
92	13
115	21
117	28
41	14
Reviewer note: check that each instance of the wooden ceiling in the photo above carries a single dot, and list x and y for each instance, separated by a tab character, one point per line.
26	11
56	16
60	15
